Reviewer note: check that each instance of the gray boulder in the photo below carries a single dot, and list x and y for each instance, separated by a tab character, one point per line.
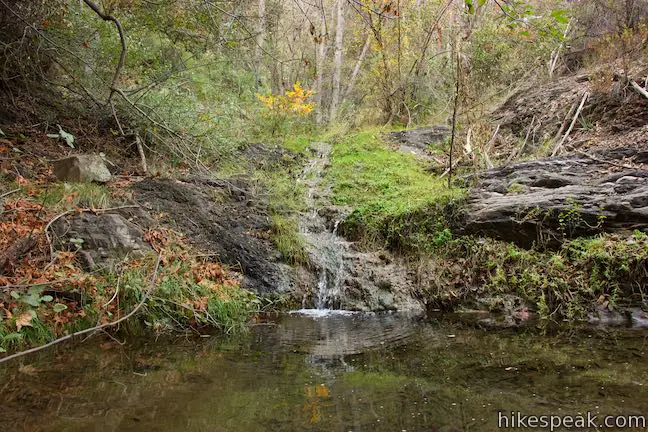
103	240
82	168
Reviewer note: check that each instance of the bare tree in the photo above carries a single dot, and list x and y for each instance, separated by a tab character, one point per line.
320	39
338	58
358	65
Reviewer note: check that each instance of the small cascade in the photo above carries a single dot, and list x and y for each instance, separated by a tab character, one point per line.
347	279
326	249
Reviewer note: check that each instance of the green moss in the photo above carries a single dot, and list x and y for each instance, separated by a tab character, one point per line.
395	201
515	188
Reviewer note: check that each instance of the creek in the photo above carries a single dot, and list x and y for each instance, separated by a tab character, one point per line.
339	372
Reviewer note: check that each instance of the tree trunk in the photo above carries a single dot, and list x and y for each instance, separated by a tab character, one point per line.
260	38
320	57
337	61
358	65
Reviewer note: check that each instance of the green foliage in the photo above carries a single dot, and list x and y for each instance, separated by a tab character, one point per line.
32	297
288	240
562	284
178	300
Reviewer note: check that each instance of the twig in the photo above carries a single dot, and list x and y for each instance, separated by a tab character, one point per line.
640	89
122	40
454	121
488	146
96	328
114	113
142	156
116	292
571	126
6	194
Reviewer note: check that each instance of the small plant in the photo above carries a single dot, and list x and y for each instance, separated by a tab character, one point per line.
515	188
570	219
294	103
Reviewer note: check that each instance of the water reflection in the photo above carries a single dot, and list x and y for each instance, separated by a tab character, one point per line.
358	372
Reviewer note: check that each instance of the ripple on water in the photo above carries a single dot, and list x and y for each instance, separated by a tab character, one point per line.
322	313
332	333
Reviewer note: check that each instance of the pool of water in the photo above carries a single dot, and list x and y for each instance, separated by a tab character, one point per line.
334	372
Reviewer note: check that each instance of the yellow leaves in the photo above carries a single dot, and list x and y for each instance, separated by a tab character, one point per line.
24	320
294	101
312	406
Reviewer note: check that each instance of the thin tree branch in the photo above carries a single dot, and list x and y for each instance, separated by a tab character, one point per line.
96	328
122	39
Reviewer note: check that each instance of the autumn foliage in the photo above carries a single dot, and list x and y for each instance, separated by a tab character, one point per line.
294	101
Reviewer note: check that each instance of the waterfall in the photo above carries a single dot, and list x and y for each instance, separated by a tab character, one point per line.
326	249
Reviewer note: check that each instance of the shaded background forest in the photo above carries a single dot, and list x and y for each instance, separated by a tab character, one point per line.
195	73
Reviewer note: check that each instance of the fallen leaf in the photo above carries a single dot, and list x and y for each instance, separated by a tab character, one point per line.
24	320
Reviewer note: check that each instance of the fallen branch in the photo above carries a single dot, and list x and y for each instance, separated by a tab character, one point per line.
571	126
96	328
140	150
454	165
642	91
569	115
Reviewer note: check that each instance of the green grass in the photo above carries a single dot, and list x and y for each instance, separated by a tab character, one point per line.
63	196
394	199
606	269
285	201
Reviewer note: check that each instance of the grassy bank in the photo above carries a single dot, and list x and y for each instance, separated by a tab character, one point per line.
395	202
48	296
398	205
607	271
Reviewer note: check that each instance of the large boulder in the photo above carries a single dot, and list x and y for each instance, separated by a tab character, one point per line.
104	240
82	168
234	226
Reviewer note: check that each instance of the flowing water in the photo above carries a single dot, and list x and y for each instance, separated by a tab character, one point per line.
327	250
341	372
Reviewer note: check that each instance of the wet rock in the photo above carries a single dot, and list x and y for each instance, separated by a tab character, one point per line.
104	240
333	215
82	168
556	198
380	282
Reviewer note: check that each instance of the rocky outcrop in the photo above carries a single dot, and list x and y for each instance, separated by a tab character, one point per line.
82	168
103	240
225	218
422	137
375	281
547	200
419	141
